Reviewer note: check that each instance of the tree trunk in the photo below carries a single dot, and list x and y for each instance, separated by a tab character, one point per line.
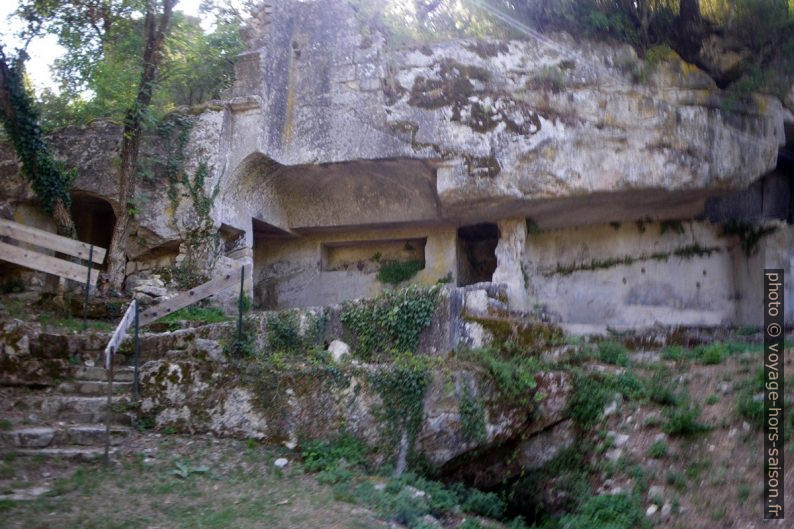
131	140
689	29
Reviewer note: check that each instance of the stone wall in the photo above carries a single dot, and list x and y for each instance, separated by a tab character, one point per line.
631	274
294	272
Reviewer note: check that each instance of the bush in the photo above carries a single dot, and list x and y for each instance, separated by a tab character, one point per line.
661	389
613	511
613	353
587	400
658	450
683	420
395	272
486	504
325	456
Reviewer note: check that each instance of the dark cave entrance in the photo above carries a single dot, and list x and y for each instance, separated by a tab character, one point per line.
93	219
477	253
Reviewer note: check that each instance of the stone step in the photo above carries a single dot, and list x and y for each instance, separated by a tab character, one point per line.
98	373
57	436
71	408
75	453
93	387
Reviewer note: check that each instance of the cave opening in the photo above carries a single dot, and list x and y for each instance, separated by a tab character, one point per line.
477	253
93	219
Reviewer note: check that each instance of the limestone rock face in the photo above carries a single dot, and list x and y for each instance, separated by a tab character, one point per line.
513	121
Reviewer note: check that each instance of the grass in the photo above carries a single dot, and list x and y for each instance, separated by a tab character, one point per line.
196	314
658	450
240	489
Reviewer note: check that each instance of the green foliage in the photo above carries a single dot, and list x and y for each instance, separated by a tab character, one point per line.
283	333
48	177
607	511
395	272
660	389
748	406
710	354
614	353
401	386
392	322
324	456
195	67
593	391
486	504
749	235
472	416
658	450
196	314
683	420
184	470
514	376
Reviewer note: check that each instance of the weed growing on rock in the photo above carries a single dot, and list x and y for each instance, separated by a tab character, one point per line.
614	353
395	272
684	420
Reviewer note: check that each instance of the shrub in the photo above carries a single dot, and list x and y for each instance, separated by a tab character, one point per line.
613	353
486	504
683	420
661	389
614	511
587	400
395	272
325	456
674	352
658	450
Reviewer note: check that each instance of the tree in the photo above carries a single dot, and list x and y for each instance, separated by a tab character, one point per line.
48	177
154	35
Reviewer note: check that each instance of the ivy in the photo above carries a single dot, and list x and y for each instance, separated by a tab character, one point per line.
174	132
392	322
48	177
401	387
472	416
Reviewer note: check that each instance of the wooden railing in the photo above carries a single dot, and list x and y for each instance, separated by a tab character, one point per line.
133	317
47	263
49	241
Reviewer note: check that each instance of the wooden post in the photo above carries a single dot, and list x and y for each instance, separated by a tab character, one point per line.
87	285
109	410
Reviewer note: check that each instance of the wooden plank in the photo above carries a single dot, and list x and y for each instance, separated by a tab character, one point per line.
121	331
205	290
45	263
50	241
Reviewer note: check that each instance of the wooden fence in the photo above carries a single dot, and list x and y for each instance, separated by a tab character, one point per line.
36	260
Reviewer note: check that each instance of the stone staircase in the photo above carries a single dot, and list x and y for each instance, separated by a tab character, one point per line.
66	419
